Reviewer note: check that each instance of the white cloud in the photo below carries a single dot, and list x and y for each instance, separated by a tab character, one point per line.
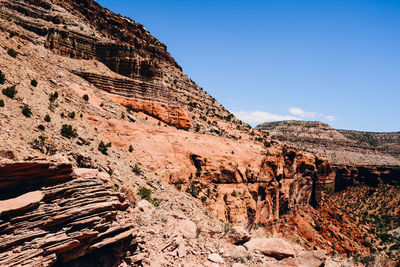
257	116
302	113
330	118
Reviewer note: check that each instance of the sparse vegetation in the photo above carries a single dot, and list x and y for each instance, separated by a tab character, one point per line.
26	111
10	91
34	83
2	77
47	118
12	53
136	169
131	148
53	96
43	146
86	98
234	193
1	103
71	115
203	199
198	232
41	127
103	147
146	193
68	131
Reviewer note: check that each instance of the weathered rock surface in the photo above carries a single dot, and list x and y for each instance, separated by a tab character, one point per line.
63	218
341	147
273	247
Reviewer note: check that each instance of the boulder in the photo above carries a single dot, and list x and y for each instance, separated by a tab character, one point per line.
237	235
272	247
214	257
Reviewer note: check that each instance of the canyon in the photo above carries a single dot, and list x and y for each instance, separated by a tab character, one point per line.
182	179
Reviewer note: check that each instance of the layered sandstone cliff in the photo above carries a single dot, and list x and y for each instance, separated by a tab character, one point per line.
49	215
76	48
339	146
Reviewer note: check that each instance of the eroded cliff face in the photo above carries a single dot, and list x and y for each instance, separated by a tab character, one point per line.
50	215
341	147
172	131
154	83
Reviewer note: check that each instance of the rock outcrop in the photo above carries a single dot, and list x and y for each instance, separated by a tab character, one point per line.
139	96
341	147
53	216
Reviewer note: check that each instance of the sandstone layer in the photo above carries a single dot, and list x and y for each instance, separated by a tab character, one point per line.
54	216
341	147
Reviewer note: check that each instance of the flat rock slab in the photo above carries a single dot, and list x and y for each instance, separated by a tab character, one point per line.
21	203
271	247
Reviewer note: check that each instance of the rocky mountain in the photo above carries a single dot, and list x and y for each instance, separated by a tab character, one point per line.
111	155
342	147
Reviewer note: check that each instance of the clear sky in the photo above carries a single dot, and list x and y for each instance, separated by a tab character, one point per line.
334	61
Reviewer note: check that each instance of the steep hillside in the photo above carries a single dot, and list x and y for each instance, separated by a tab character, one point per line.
95	90
339	146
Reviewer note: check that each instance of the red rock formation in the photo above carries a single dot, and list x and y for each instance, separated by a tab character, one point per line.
53	216
139	96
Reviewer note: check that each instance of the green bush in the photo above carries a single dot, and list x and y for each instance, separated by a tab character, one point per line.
71	115
26	111
47	118
12	53
10	91
145	193
68	131
1	103
137	170
86	98
34	83
103	147
53	97
2	77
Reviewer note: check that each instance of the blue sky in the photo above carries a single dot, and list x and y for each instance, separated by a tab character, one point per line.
334	61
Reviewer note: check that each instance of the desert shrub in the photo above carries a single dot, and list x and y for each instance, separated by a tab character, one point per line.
68	131
26	111
47	118
1	103
110	171
103	147
225	197
227	227
203	199
10	91
12	53
198	232
53	96
136	169
194	190
197	128
145	193
2	77
86	98
34	83
41	127
71	115
234	193
131	148
43	146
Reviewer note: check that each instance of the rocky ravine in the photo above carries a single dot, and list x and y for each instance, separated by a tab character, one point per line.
199	169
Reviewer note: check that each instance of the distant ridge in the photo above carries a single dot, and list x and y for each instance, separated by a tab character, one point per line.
340	146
